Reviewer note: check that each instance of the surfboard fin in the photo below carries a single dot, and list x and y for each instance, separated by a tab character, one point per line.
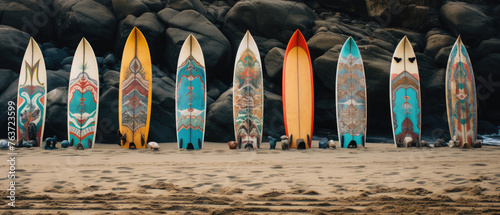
239	142
143	141
199	143
258	141
190	146
89	143
397	59
411	59
71	142
290	140
309	141
132	145
180	144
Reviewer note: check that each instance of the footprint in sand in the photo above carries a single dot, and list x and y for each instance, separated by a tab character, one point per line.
92	188
125	168
106	171
122	183
363	180
88	171
119	188
479	164
277	167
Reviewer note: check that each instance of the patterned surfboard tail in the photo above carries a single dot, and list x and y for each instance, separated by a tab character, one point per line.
461	101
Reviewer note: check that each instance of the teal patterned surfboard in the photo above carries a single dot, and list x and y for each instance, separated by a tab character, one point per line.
190	96
351	96
83	97
405	96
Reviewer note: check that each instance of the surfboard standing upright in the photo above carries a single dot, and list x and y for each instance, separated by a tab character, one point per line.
351	96
135	91
31	95
405	96
248	96
298	91
190	95
83	97
461	103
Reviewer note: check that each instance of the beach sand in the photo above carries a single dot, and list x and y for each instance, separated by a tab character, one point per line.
216	180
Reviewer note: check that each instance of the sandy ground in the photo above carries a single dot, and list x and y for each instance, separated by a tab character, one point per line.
216	180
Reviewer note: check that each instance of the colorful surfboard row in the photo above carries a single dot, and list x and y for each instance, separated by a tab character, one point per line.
248	95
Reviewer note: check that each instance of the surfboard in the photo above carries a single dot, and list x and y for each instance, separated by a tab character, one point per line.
190	95
83	96
351	96
405	95
248	94
32	95
461	101
136	81
298	91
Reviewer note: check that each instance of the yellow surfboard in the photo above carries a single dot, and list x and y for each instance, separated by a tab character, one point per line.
298	91
136	82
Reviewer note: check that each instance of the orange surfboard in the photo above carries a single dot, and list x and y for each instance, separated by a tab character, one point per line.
298	91
136	82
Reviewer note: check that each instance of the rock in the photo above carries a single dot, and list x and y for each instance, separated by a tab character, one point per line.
470	21
13	44
420	18
152	29
416	39
273	64
109	60
31	16
273	115
67	61
86	18
108	114
8	77
219	121
443	55
216	88
217	11
269	19
123	8
215	46
57	78
486	47
355	6
53	58
56	121
436	39
58	96
181	5
323	41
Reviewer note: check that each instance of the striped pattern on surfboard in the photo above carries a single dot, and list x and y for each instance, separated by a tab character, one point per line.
135	91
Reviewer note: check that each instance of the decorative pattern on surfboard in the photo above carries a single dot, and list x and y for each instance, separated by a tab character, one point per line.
298	91
83	96
248	96
31	95
351	96
405	95
461	99
135	90
190	95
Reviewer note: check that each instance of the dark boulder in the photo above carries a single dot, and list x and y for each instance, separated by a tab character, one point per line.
86	18
215	46
219	121
436	39
53	58
180	5
273	64
13	44
270	19
32	16
471	21
152	29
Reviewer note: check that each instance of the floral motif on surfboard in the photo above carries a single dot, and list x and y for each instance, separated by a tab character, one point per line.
461	95
248	99
351	97
135	97
190	103
406	107
31	98
83	100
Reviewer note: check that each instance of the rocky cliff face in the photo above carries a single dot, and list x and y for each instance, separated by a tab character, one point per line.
376	25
